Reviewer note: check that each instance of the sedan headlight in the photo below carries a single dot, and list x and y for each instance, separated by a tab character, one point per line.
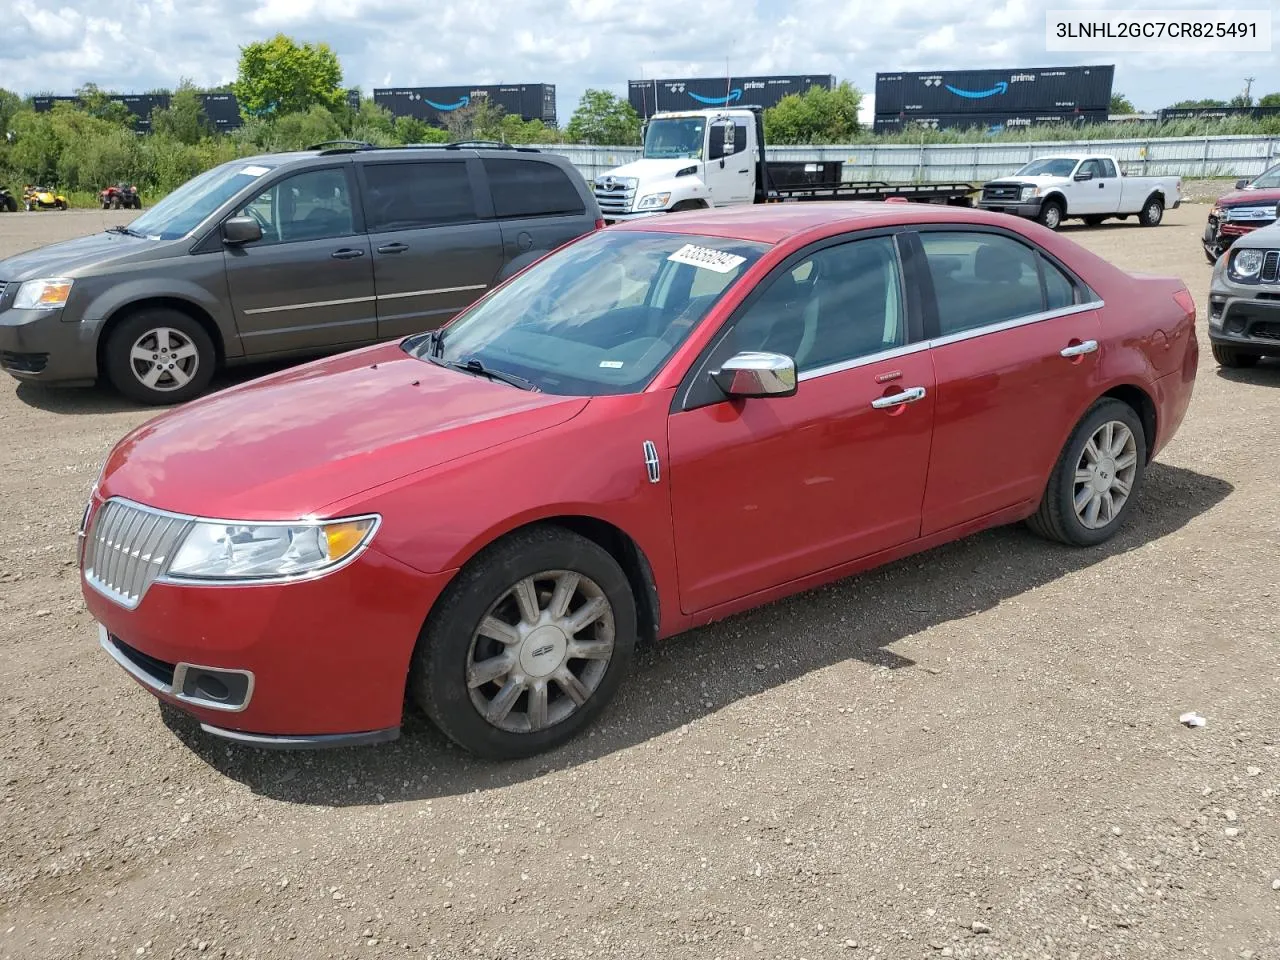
43	294
219	550
1245	264
654	201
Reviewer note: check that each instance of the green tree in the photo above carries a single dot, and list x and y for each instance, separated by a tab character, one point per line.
99	103
279	76
1241	100
605	120
817	116
296	131
10	104
1122	104
184	119
1196	104
1269	100
413	130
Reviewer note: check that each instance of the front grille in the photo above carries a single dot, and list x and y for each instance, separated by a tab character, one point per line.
23	362
3	284
128	548
1003	192
1270	266
615	200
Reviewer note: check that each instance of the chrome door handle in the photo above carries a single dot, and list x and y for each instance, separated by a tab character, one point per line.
1080	349
909	395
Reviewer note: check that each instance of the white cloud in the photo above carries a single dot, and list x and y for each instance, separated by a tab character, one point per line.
601	43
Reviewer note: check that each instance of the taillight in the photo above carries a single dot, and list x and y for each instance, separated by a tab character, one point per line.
1186	301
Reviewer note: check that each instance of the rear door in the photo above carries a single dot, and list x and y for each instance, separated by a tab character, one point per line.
538	208
436	250
1000	314
308	283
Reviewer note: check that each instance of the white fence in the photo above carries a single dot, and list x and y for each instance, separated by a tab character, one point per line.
977	162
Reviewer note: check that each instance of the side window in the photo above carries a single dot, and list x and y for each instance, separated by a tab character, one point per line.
1059	291
1108	168
1092	167
531	188
407	196
980	279
739	136
315	205
841	303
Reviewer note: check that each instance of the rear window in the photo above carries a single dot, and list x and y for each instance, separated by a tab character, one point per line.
531	188
406	196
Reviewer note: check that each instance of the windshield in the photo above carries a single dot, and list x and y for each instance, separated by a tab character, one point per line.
1269	180
680	137
601	316
1048	167
183	210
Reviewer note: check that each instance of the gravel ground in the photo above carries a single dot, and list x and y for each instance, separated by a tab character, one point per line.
971	753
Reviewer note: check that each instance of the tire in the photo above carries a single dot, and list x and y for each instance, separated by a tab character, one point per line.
60	204
1051	214
1152	212
1057	518
160	330
450	645
1093	221
1232	357
11	204
1211	256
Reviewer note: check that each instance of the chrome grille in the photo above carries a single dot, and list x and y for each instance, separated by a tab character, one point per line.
1002	191
614	196
128	547
1270	266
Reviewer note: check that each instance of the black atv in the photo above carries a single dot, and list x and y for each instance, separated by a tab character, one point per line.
8	202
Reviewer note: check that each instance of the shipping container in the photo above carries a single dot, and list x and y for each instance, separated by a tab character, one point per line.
648	97
222	109
1041	89
1217	113
990	122
529	101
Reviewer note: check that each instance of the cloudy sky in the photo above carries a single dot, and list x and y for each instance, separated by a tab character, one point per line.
134	45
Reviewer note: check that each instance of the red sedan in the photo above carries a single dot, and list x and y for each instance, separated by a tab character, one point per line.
658	425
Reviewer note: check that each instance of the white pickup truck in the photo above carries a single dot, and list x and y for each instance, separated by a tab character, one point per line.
1088	187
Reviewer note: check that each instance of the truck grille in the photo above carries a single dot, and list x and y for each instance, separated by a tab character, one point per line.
3	284
128	547
614	197
1270	266
1001	192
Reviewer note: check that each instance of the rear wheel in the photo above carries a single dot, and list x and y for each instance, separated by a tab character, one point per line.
1233	357
1093	221
11	204
1094	482
1152	212
60	204
160	357
527	645
1051	214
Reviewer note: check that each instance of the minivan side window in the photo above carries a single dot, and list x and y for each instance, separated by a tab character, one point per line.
531	188
315	205
411	195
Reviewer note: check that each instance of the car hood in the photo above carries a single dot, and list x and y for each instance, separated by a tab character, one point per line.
651	169
1248	198
69	256
1037	181
287	445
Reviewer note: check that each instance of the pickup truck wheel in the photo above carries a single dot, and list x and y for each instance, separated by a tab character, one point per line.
160	357
1051	214
1093	484
1093	221
1152	213
1231	357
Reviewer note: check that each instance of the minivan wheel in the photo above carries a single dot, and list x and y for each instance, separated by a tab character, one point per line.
160	357
527	645
1096	478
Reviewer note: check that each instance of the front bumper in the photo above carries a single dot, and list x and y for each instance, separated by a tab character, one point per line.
324	661
1245	321
42	346
1022	208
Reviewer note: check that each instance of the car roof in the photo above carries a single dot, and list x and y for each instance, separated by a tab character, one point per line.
774	223
400	153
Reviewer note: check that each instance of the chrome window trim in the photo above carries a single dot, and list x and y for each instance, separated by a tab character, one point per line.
863	361
1022	321
164	577
174	690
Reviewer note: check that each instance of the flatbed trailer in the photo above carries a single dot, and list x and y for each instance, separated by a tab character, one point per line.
950	194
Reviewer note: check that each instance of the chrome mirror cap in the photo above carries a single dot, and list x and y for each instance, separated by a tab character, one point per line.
753	374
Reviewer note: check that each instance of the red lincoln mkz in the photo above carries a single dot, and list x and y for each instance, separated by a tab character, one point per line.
658	425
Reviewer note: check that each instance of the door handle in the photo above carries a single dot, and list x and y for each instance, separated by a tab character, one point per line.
909	395
748	170
1079	349
393	248
346	253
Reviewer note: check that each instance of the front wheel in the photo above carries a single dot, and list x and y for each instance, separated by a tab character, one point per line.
160	357
1231	357
1051	214
1094	482
60	204
1152	213
527	645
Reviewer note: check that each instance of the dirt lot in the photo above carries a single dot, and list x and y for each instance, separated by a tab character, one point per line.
975	752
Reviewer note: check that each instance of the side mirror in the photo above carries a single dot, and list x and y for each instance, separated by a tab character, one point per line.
751	374
1241	184
1084	175
240	230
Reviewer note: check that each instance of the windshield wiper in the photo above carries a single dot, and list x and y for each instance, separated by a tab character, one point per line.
474	366
121	228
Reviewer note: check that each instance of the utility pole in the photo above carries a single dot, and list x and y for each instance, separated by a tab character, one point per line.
1248	88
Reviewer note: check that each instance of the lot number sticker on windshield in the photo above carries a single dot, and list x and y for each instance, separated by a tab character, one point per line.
708	259
255	171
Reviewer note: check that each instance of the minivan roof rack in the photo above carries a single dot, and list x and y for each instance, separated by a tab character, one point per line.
343	146
351	146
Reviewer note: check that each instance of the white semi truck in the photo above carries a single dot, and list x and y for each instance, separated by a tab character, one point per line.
716	158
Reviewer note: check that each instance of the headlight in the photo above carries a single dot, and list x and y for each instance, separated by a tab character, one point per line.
214	550
1245	264
654	201
43	294
1028	192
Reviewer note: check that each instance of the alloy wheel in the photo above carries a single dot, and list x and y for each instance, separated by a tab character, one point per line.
164	359
1105	474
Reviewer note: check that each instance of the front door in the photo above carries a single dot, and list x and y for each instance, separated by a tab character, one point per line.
308	283
1007	397
730	168
436	249
1099	194
766	491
